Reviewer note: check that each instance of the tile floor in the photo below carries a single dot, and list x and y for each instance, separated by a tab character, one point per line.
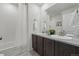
30	53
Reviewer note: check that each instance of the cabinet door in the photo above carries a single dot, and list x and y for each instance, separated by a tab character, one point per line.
63	49
34	42
58	49
69	50
40	45
48	47
76	51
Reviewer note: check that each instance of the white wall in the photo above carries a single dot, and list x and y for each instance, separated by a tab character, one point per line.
13	27
44	17
21	31
49	19
8	22
53	22
68	17
65	17
33	13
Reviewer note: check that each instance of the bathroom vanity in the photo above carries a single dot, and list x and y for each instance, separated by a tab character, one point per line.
46	45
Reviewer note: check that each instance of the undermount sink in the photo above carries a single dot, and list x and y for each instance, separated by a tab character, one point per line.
61	37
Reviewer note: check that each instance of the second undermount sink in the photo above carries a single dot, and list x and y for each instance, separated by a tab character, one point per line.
61	37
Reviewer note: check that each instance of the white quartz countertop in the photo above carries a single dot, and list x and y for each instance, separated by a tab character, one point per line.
72	41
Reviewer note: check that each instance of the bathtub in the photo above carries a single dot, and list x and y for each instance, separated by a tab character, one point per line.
10	49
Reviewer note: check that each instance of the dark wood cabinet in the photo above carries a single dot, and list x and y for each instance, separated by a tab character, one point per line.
76	51
69	50
58	49
43	46
34	42
48	47
40	46
63	49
